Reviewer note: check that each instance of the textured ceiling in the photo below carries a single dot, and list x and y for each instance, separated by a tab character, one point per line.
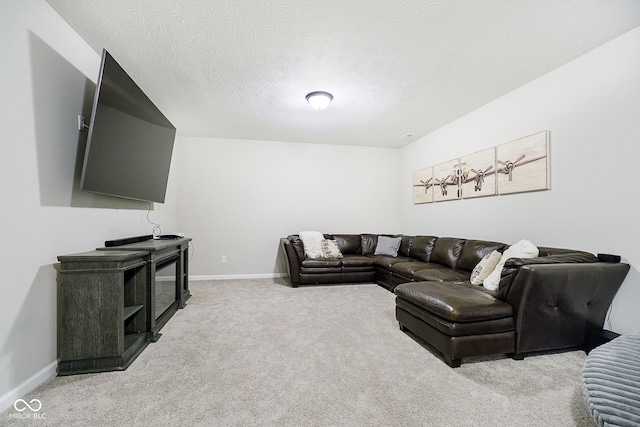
241	69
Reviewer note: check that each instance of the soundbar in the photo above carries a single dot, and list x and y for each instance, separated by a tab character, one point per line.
127	240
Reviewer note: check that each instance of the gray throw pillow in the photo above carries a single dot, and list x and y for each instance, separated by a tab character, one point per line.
388	246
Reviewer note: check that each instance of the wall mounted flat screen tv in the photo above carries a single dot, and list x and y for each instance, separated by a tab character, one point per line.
130	142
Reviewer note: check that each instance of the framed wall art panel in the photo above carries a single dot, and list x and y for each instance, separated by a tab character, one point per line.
480	174
523	164
445	181
423	186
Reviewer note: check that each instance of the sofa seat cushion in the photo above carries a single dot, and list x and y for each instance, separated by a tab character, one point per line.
321	265
321	262
456	302
359	263
440	274
408	268
386	262
425	271
352	260
457	329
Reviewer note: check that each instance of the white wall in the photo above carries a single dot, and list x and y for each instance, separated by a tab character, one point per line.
238	198
47	77
591	107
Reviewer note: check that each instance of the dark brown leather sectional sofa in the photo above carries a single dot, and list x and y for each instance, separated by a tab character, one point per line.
551	302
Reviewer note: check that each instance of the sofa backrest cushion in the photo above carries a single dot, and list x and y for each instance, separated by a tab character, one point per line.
421	247
405	246
446	251
368	242
474	250
348	243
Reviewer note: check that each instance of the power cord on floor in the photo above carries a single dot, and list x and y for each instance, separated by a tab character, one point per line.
608	319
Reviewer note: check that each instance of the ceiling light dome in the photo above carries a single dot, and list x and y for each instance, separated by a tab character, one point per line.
319	99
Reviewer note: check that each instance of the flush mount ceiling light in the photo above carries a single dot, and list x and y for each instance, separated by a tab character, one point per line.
319	100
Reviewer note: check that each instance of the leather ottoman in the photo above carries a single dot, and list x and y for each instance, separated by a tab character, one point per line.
457	318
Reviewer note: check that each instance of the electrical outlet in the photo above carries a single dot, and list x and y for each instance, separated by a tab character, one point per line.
224	258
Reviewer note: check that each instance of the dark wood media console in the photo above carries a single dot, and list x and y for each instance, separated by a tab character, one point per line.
163	301
115	300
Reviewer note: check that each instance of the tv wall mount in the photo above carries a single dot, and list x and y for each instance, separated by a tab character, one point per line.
82	126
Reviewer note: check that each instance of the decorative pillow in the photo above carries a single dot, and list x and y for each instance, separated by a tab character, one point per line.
522	249
388	246
312	241
330	249
485	267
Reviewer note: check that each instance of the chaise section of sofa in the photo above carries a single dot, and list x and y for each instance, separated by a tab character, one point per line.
457	318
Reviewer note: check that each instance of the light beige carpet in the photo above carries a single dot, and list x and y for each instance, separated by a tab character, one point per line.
260	353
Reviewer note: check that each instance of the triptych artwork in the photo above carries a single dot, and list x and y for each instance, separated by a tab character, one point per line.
514	167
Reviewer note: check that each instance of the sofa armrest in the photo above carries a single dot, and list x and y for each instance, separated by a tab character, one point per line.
293	261
565	258
512	265
556	305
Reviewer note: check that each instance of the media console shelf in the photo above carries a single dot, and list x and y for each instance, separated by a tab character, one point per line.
115	300
103	310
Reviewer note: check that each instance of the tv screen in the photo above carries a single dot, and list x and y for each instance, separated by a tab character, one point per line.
130	141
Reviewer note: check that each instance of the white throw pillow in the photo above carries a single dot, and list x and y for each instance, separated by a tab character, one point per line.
522	249
330	249
485	267
312	242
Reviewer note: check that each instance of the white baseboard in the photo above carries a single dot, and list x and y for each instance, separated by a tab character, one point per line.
238	276
9	398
